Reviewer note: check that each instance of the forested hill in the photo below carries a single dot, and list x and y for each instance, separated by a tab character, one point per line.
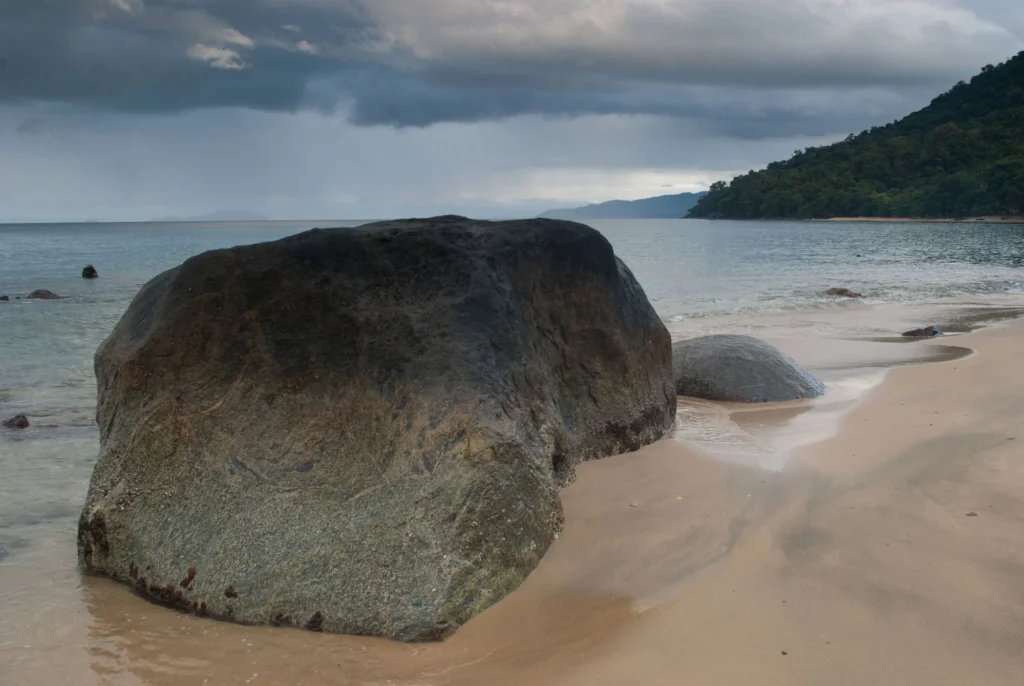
962	156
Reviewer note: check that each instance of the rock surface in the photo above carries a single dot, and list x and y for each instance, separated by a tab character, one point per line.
927	332
43	294
842	293
5	298
739	369
18	421
89	272
364	430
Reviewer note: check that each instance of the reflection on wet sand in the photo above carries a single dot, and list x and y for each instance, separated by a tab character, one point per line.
663	503
133	642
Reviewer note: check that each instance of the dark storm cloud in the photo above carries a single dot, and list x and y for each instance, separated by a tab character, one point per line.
403	100
159	56
410	63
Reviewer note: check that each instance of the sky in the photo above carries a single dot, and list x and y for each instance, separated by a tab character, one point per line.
122	110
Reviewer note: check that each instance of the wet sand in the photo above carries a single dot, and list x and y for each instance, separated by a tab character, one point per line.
829	544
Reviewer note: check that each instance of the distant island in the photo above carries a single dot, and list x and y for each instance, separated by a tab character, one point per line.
962	156
222	216
661	207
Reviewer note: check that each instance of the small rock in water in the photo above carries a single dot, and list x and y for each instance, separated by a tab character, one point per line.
927	332
43	294
18	421
5	298
843	293
89	272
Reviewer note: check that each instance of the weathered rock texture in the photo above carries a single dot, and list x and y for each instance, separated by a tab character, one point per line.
739	369
43	294
364	430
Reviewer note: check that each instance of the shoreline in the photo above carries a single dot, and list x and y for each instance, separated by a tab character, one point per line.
883	220
922	220
861	319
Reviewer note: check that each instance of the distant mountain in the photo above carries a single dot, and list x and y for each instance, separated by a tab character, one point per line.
962	156
222	216
661	207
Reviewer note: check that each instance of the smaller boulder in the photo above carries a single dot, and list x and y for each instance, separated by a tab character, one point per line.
5	298
18	421
739	369
89	272
927	332
43	294
842	293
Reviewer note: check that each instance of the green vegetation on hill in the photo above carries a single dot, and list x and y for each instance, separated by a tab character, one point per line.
961	156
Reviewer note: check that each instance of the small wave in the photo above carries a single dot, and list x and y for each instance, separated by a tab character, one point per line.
800	301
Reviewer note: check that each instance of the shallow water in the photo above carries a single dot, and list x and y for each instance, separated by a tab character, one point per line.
761	278
694	269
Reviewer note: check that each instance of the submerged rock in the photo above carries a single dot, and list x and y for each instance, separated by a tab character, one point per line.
739	369
89	272
5	298
364	430
43	294
927	332
842	293
18	421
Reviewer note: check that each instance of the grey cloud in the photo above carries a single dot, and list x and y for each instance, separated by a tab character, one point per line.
160	57
782	67
118	166
734	112
31	126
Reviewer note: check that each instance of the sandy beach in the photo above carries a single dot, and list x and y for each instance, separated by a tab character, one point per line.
876	543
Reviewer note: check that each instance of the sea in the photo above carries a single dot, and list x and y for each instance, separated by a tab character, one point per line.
760	278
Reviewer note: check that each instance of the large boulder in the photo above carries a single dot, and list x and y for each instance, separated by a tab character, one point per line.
364	430
739	369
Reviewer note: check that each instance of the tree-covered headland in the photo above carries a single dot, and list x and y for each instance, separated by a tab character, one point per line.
961	156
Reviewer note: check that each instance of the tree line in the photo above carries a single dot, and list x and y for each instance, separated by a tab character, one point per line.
961	156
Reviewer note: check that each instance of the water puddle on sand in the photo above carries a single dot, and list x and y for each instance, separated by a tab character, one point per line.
849	348
765	436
